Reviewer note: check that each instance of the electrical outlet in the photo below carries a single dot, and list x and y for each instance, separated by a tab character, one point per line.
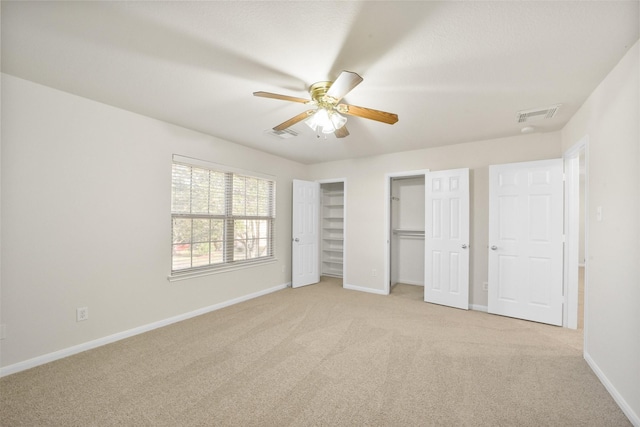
374	273
284	268
485	286
82	313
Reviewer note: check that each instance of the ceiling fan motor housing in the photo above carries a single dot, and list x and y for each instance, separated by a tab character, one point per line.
318	91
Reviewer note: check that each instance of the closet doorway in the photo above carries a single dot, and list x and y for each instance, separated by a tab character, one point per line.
317	231
332	229
406	222
440	202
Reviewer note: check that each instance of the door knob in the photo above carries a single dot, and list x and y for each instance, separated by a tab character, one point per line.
464	246
494	248
296	240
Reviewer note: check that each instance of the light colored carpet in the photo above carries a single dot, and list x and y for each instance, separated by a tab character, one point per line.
322	356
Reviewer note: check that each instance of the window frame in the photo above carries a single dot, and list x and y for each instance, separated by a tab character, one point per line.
229	220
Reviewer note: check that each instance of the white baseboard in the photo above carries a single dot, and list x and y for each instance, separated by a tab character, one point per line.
364	289
477	307
50	357
622	403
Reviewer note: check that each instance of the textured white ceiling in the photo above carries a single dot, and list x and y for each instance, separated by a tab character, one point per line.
453	71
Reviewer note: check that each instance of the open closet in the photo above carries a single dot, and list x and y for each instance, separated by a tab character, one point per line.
332	228
407	221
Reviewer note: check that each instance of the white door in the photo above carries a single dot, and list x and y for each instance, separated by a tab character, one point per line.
446	269
304	233
526	240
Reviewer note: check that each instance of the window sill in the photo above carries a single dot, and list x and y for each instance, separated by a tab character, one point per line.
222	269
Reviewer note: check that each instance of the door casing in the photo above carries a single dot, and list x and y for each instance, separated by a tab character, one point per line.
572	231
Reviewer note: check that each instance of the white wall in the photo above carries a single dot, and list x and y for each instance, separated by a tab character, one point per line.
365	199
86	220
611	120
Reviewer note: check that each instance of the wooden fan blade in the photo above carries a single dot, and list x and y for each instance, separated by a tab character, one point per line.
282	97
368	113
292	121
342	132
346	81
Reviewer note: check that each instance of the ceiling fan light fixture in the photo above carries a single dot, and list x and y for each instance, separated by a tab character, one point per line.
325	121
317	119
337	119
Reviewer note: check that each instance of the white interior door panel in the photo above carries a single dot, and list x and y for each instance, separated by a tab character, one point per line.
526	240
447	238
305	233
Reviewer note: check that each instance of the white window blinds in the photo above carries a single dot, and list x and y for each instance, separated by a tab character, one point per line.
219	218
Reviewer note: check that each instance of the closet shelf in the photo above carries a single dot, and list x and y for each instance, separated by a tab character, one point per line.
408	232
332	228
333	273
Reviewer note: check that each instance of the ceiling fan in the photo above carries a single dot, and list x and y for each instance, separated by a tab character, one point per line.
326	116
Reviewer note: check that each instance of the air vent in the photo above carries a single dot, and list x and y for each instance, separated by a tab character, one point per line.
538	113
283	134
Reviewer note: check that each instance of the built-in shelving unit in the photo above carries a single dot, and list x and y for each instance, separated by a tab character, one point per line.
332	232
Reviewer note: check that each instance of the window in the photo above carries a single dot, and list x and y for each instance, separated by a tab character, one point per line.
219	218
